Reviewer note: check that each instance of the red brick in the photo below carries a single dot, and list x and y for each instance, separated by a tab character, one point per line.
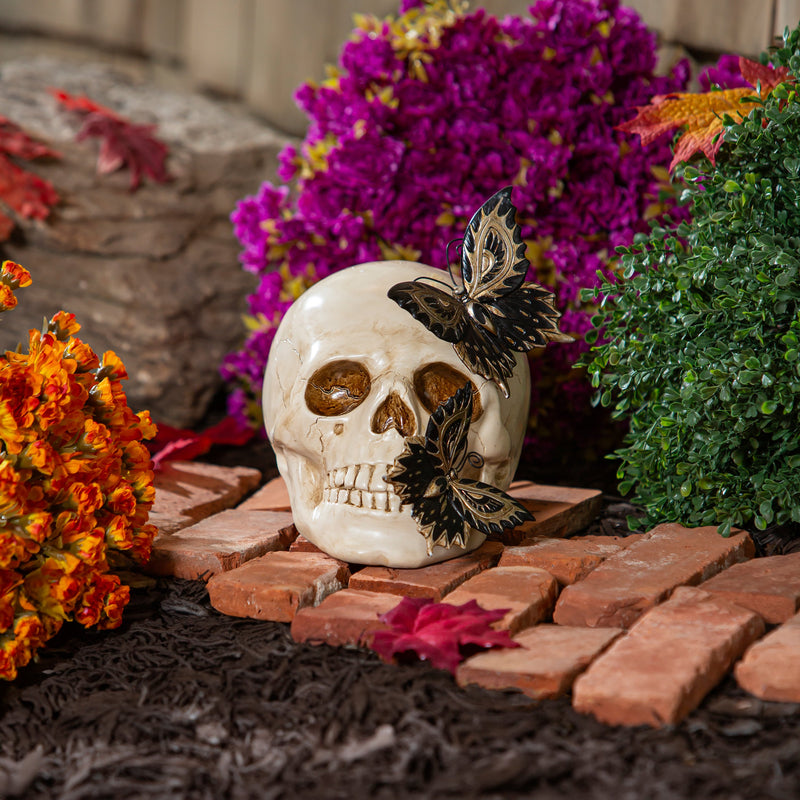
550	659
528	592
272	496
669	660
768	586
348	617
221	542
628	583
302	545
276	585
567	560
559	510
434	581
188	491
769	669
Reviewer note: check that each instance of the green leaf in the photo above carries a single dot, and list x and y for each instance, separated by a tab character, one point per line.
769	407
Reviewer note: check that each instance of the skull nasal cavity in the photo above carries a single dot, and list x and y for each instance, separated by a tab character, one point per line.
394	413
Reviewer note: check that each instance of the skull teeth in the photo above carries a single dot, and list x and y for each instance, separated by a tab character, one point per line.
361	486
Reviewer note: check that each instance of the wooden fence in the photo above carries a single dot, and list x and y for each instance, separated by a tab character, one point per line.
259	51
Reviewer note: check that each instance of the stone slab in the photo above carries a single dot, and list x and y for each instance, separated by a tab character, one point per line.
346	617
546	664
529	593
272	496
616	593
669	660
188	491
434	581
567	560
275	586
152	273
770	669
559	510
220	543
769	586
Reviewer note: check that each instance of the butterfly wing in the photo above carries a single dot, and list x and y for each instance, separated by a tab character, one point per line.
485	507
422	473
525	318
484	354
493	259
440	312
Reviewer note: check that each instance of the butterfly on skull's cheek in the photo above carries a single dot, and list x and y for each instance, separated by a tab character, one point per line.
426	476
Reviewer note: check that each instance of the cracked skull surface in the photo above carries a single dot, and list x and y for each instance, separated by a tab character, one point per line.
351	375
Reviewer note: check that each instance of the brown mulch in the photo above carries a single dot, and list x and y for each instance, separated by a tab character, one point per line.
183	702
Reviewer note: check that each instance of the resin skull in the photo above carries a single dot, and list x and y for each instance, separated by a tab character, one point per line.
350	375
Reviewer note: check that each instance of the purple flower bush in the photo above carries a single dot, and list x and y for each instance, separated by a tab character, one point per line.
425	117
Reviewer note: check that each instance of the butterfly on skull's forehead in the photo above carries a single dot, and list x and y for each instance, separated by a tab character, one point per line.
491	312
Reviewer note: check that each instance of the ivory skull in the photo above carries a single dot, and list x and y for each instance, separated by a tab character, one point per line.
350	375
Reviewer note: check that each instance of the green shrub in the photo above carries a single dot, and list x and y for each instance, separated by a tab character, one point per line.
700	336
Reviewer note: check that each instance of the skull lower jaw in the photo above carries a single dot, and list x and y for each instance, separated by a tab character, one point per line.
371	537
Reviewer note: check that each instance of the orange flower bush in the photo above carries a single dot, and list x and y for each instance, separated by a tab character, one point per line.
76	485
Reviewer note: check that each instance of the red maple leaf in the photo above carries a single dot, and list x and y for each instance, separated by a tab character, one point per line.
179	444
21	191
700	115
124	143
439	632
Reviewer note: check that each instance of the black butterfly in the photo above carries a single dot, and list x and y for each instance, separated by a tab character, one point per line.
426	476
494	312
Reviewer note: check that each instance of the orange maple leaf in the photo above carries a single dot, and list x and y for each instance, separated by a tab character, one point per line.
700	115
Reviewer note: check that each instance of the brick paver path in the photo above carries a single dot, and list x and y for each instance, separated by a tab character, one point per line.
637	629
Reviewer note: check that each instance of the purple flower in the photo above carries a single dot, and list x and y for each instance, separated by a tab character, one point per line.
418	130
725	75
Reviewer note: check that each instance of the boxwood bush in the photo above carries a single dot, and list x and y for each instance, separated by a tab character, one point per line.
700	335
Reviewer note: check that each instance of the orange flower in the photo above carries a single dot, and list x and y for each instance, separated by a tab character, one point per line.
63	325
53	587
75	483
147	427
84	498
96	436
112	367
12	488
115	603
21	537
7	299
13	275
40	455
9	430
119	532
143	542
102	601
89	547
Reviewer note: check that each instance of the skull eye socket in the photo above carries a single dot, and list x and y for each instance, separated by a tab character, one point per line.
337	388
438	382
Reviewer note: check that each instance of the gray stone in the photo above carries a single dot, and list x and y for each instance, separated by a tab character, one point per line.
151	274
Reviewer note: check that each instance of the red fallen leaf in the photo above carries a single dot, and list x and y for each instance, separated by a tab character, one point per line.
21	191
700	115
178	444
438	632
80	103
124	143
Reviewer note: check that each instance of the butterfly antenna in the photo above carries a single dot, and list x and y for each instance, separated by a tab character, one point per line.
425	278
459	243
